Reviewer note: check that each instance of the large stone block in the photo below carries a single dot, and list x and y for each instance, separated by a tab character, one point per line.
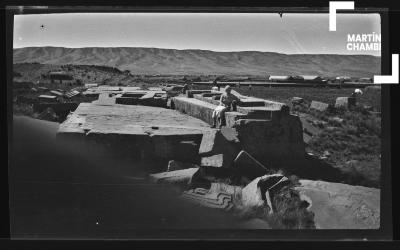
345	102
320	106
218	142
272	142
193	107
183	147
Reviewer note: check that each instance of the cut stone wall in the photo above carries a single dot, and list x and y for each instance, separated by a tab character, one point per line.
269	132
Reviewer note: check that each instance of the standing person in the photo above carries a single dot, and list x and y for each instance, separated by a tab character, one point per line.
215	84
227	102
355	94
249	86
185	88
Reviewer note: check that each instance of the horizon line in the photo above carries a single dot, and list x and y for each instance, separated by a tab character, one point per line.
197	49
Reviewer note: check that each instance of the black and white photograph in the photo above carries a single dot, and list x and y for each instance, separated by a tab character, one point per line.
131	122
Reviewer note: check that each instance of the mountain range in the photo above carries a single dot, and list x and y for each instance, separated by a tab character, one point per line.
203	62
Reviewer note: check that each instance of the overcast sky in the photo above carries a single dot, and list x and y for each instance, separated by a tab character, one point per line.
291	34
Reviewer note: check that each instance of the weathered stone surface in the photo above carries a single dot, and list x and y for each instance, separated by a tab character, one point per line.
254	194
341	206
178	165
219	142
259	112
251	195
133	131
345	102
248	166
320	106
191	92
180	177
210	99
193	107
276	105
219	160
58	108
251	102
211	143
234	191
202	197
207	175
272	141
126	100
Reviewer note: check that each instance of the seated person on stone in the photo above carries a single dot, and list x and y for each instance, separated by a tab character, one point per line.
227	102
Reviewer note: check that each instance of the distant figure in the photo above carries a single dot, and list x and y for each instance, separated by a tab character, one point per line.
238	85
356	93
227	102
215	84
185	88
249	86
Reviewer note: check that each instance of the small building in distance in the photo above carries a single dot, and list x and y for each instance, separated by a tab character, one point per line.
342	79
280	78
312	78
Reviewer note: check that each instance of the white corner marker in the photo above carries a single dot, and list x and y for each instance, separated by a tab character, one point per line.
394	78
337	5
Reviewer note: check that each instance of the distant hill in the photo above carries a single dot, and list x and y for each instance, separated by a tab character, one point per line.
197	62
